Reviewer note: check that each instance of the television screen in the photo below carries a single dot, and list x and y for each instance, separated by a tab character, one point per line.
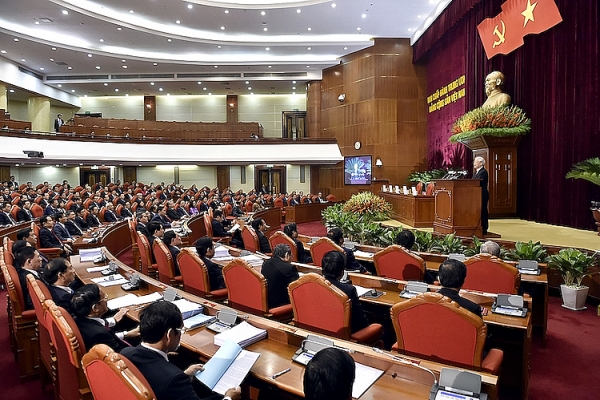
357	170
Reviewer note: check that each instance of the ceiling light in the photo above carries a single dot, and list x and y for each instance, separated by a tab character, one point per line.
89	55
72	90
97	67
252	93
249	88
168	94
16	39
222	28
219	46
294	87
262	13
155	64
410	29
37	22
199	83
130	11
270	66
333	5
293	92
345	48
123	60
419	16
267	48
210	94
65	12
178	22
3	51
308	66
203	88
69	68
309	48
309	29
293	81
119	28
298	11
126	94
116	90
265	29
52	59
190	6
11	90
124	66
364	16
169	40
247	82
226	11
23	60
216	66
41	68
59	85
160	89
101	40
151	83
53	48
358	29
106	84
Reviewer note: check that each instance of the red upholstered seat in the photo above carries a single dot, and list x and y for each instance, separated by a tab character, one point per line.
430	188
39	294
321	247
69	349
433	326
8	255
112	376
281	238
148	268
250	239
209	230
331	198
49	252
248	206
398	263
195	276
419	188
37	210
487	273
321	307
164	263
247	290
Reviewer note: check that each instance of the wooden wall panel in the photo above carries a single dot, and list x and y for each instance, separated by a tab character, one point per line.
313	110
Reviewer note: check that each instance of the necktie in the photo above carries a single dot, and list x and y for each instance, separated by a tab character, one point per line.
10	218
29	214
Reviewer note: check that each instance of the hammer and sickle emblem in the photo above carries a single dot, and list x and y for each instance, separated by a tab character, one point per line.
501	38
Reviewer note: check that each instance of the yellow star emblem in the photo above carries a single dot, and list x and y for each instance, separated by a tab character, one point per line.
528	12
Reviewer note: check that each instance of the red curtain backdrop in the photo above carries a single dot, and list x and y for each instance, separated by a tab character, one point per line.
553	77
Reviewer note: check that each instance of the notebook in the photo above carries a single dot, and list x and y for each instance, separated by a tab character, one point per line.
243	334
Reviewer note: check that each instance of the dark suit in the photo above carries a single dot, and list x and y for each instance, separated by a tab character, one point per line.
279	274
23	280
62	232
174	253
358	319
166	380
303	254
94	333
265	246
218	229
351	263
110	216
24	215
173	215
143	229
464	303
5	219
485	197
61	297
48	239
92	221
164	221
125	213
73	228
215	274
81	223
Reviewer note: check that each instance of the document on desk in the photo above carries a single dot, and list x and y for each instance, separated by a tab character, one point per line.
361	290
89	254
227	368
363	254
111	280
243	334
96	269
131	299
253	260
365	376
234	228
188	309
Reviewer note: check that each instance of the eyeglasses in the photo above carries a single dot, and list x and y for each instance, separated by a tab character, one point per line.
181	330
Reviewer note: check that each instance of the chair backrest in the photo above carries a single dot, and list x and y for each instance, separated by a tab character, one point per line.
15	209
331	198
320	306
118	209
8	255
435	327
69	348
112	376
430	188
39	294
145	253
208	224
419	188
164	262
193	272
321	247
36	210
15	291
228	209
487	273
246	288
69	204
398	263
281	238
248	206
278	202
250	239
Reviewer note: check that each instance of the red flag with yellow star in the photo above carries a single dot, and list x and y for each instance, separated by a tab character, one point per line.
504	33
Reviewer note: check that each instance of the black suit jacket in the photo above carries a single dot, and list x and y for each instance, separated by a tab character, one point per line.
483	175
61	232
279	274
172	214
351	263
92	220
110	216
23	280
215	274
61	297
358	319
48	240
73	228
125	213
218	229
4	219
464	303
166	380
164	221
94	333
143	229
22	215
81	223
303	254
265	246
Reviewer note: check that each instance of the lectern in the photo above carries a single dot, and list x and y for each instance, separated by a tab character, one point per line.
457	207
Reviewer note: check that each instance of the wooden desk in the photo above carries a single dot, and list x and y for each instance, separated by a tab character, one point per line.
399	380
416	211
305	212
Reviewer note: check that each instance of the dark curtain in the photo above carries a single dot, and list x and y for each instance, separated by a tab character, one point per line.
554	78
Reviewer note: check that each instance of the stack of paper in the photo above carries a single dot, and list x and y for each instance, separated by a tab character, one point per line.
198	320
361	290
90	254
253	260
243	334
363	254
365	377
111	280
221	251
187	308
132	300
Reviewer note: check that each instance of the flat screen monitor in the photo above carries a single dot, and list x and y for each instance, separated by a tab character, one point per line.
357	170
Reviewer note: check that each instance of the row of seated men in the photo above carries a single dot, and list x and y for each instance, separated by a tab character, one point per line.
161	325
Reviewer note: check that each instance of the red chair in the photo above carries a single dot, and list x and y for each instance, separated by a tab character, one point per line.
486	273
321	307
331	198
433	326
250	239
39	294
36	210
50	253
164	262
281	238
321	247
430	188
8	255
248	206
148	267
112	376
247	291
420	188
398	263
69	348
209	230
119	209
195	276
21	325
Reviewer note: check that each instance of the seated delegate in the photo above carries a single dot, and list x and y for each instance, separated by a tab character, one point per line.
452	274
279	273
329	375
62	281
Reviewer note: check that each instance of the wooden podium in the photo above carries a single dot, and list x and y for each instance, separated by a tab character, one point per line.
457	207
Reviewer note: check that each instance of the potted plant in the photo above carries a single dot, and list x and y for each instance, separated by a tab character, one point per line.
573	265
528	251
590	171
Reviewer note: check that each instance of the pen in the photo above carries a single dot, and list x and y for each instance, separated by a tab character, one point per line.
281	373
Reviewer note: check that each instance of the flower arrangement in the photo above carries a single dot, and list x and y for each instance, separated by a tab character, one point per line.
493	121
368	206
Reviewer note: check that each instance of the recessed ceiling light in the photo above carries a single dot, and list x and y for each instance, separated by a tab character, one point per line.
101	40
364	16
270	66
11	90
72	90
119	28
262	13
37	22
16	39
155	64
309	29
89	55
345	48
294	87
151	83
160	89
178	22
252	93
333	5
59	85
126	94
247	82
293	81
298	11
131	11
65	12
105	84
293	92
265	29
203	88
358	29
97	67
249	88
309	48
53	48
419	16
210	94
216	66
226	11
199	83
23	60
410	29
123	60
222	28
267	48
308	66
168	94
3	51
69	68
190	6
169	40
52	59
124	66
219	46
116	90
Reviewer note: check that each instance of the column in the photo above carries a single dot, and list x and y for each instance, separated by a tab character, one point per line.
3	97
38	112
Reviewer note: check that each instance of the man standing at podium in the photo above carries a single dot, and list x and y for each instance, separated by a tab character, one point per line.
481	173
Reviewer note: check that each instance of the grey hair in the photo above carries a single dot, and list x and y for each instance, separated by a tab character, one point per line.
490	247
479	158
281	250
